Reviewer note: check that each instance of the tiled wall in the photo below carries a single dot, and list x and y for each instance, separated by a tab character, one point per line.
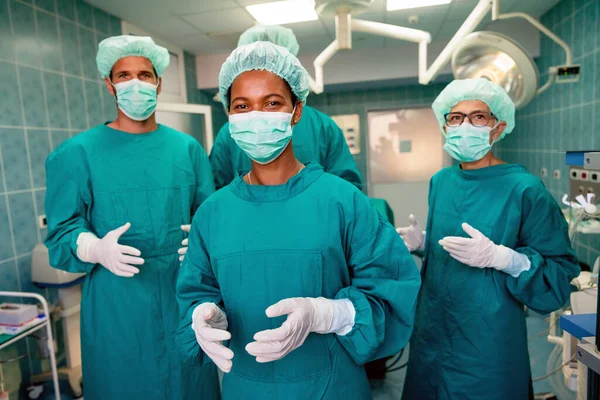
50	90
566	117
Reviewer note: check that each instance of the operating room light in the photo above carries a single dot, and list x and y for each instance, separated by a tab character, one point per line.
283	12
393	5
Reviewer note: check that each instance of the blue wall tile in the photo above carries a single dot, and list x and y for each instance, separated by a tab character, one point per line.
56	101
66	9
84	14
14	159
87	48
115	26
58	137
94	102
24	33
33	98
23	216
101	22
39	148
48	41
6	247
6	39
8	276
70	48
10	106
76	104
47	5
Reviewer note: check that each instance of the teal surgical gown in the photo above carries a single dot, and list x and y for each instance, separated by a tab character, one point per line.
315	235
98	181
316	138
470	339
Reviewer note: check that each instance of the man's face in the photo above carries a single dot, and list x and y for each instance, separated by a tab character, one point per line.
132	67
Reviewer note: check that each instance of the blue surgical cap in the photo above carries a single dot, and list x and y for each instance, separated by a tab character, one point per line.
114	48
268	57
492	94
279	35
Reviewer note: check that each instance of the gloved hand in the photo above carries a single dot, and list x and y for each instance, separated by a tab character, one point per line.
304	315
413	236
209	323
479	251
182	251
107	252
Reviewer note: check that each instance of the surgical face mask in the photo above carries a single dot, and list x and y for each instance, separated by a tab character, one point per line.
263	136
468	143
136	99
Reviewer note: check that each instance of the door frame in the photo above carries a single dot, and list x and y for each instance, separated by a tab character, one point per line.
193	109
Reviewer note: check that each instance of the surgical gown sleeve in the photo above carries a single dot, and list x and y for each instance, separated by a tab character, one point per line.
339	160
68	201
384	285
196	284
205	185
220	158
544	239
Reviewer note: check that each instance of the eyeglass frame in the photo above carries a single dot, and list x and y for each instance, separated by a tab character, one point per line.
464	116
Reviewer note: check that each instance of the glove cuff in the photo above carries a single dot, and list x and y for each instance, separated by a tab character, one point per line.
501	257
323	315
85	244
343	317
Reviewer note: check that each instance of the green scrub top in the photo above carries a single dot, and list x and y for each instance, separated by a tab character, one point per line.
316	235
470	339
96	182
316	138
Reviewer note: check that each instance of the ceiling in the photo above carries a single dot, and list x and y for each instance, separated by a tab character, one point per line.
205	27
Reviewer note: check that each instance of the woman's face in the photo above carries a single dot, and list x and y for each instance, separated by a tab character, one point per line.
262	91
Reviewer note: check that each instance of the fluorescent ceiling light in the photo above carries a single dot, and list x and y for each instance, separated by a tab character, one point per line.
393	5
283	12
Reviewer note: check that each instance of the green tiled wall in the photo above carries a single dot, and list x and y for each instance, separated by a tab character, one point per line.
567	116
51	91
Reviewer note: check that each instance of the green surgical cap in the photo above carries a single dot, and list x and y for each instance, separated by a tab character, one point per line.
114	48
490	93
264	56
279	35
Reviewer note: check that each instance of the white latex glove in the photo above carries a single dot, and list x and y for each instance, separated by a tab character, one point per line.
304	315
209	323
412	235
182	251
107	252
477	251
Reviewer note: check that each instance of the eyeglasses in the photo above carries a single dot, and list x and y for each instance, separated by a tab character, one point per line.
476	118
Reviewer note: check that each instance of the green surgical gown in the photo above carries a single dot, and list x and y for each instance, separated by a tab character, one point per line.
470	339
98	181
316	138
315	235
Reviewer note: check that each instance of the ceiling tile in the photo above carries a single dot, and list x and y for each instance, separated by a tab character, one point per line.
365	41
307	28
170	27
447	30
202	45
181	7
313	45
461	10
221	20
424	12
244	3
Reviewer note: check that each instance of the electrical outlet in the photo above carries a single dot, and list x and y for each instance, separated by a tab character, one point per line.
557	174
574	174
42	224
543	172
595	176
584	175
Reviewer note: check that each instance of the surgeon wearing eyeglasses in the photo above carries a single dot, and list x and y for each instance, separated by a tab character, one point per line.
496	242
